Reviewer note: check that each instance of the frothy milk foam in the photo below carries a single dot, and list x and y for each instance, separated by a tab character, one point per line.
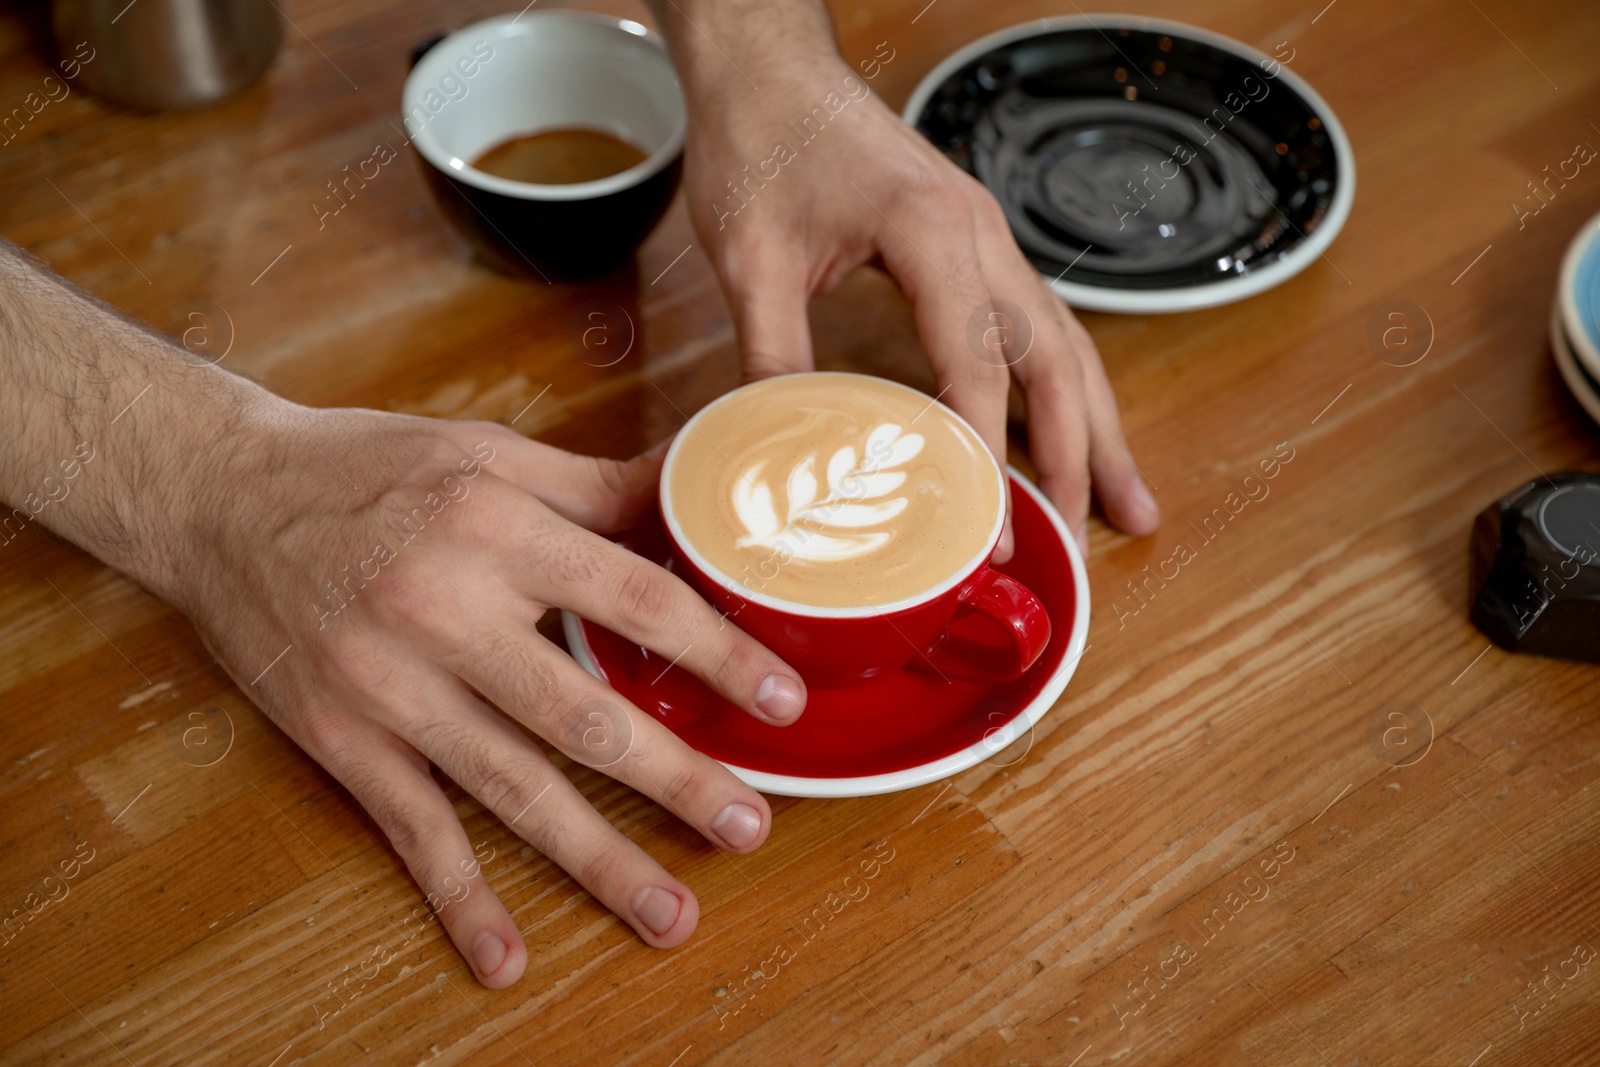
834	490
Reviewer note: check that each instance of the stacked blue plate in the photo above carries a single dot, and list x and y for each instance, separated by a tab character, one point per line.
1575	318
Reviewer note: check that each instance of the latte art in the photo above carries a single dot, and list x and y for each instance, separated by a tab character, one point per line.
858	495
833	490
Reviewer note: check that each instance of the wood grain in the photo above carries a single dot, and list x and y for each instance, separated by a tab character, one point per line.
1032	909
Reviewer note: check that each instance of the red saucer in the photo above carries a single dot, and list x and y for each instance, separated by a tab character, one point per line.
895	732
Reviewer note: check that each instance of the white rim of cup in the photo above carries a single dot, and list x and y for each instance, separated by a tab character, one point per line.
1205	294
814	611
1577	334
792	785
422	76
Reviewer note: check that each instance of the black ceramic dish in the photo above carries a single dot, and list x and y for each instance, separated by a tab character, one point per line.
561	240
1147	166
546	70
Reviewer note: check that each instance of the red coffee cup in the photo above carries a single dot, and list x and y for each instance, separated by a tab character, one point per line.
976	625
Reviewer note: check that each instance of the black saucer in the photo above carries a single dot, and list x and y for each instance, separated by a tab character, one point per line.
1147	165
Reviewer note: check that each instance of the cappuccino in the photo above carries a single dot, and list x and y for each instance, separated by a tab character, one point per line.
834	490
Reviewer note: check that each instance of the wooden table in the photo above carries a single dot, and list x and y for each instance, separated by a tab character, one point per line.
1209	778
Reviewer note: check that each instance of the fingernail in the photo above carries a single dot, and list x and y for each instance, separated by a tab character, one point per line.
488	952
1083	540
738	825
1142	500
780	698
656	908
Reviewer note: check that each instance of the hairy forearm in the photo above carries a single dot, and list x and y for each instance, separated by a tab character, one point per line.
730	43
110	427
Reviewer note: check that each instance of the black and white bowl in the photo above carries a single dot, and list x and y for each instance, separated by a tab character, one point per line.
542	70
1144	165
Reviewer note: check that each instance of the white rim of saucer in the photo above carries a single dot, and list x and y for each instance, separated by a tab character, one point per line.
1579	344
424	74
1567	364
1189	297
991	745
814	611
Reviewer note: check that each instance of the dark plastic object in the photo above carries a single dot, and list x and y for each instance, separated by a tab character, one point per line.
1536	568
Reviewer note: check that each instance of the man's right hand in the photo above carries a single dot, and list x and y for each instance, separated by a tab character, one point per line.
403	563
372	581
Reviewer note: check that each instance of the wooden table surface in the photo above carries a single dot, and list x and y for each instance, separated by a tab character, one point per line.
1211	778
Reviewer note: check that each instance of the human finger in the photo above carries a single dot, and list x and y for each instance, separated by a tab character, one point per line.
932	253
1118	482
391	781
595	726
631	596
600	494
767	294
487	756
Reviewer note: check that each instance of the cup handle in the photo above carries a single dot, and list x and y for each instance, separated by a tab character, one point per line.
1015	612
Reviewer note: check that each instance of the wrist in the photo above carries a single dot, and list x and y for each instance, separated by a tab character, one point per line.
735	46
174	471
116	434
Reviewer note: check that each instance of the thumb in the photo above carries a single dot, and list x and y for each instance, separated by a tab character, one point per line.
769	312
611	495
603	495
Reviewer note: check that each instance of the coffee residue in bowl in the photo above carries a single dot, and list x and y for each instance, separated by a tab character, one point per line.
560	157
